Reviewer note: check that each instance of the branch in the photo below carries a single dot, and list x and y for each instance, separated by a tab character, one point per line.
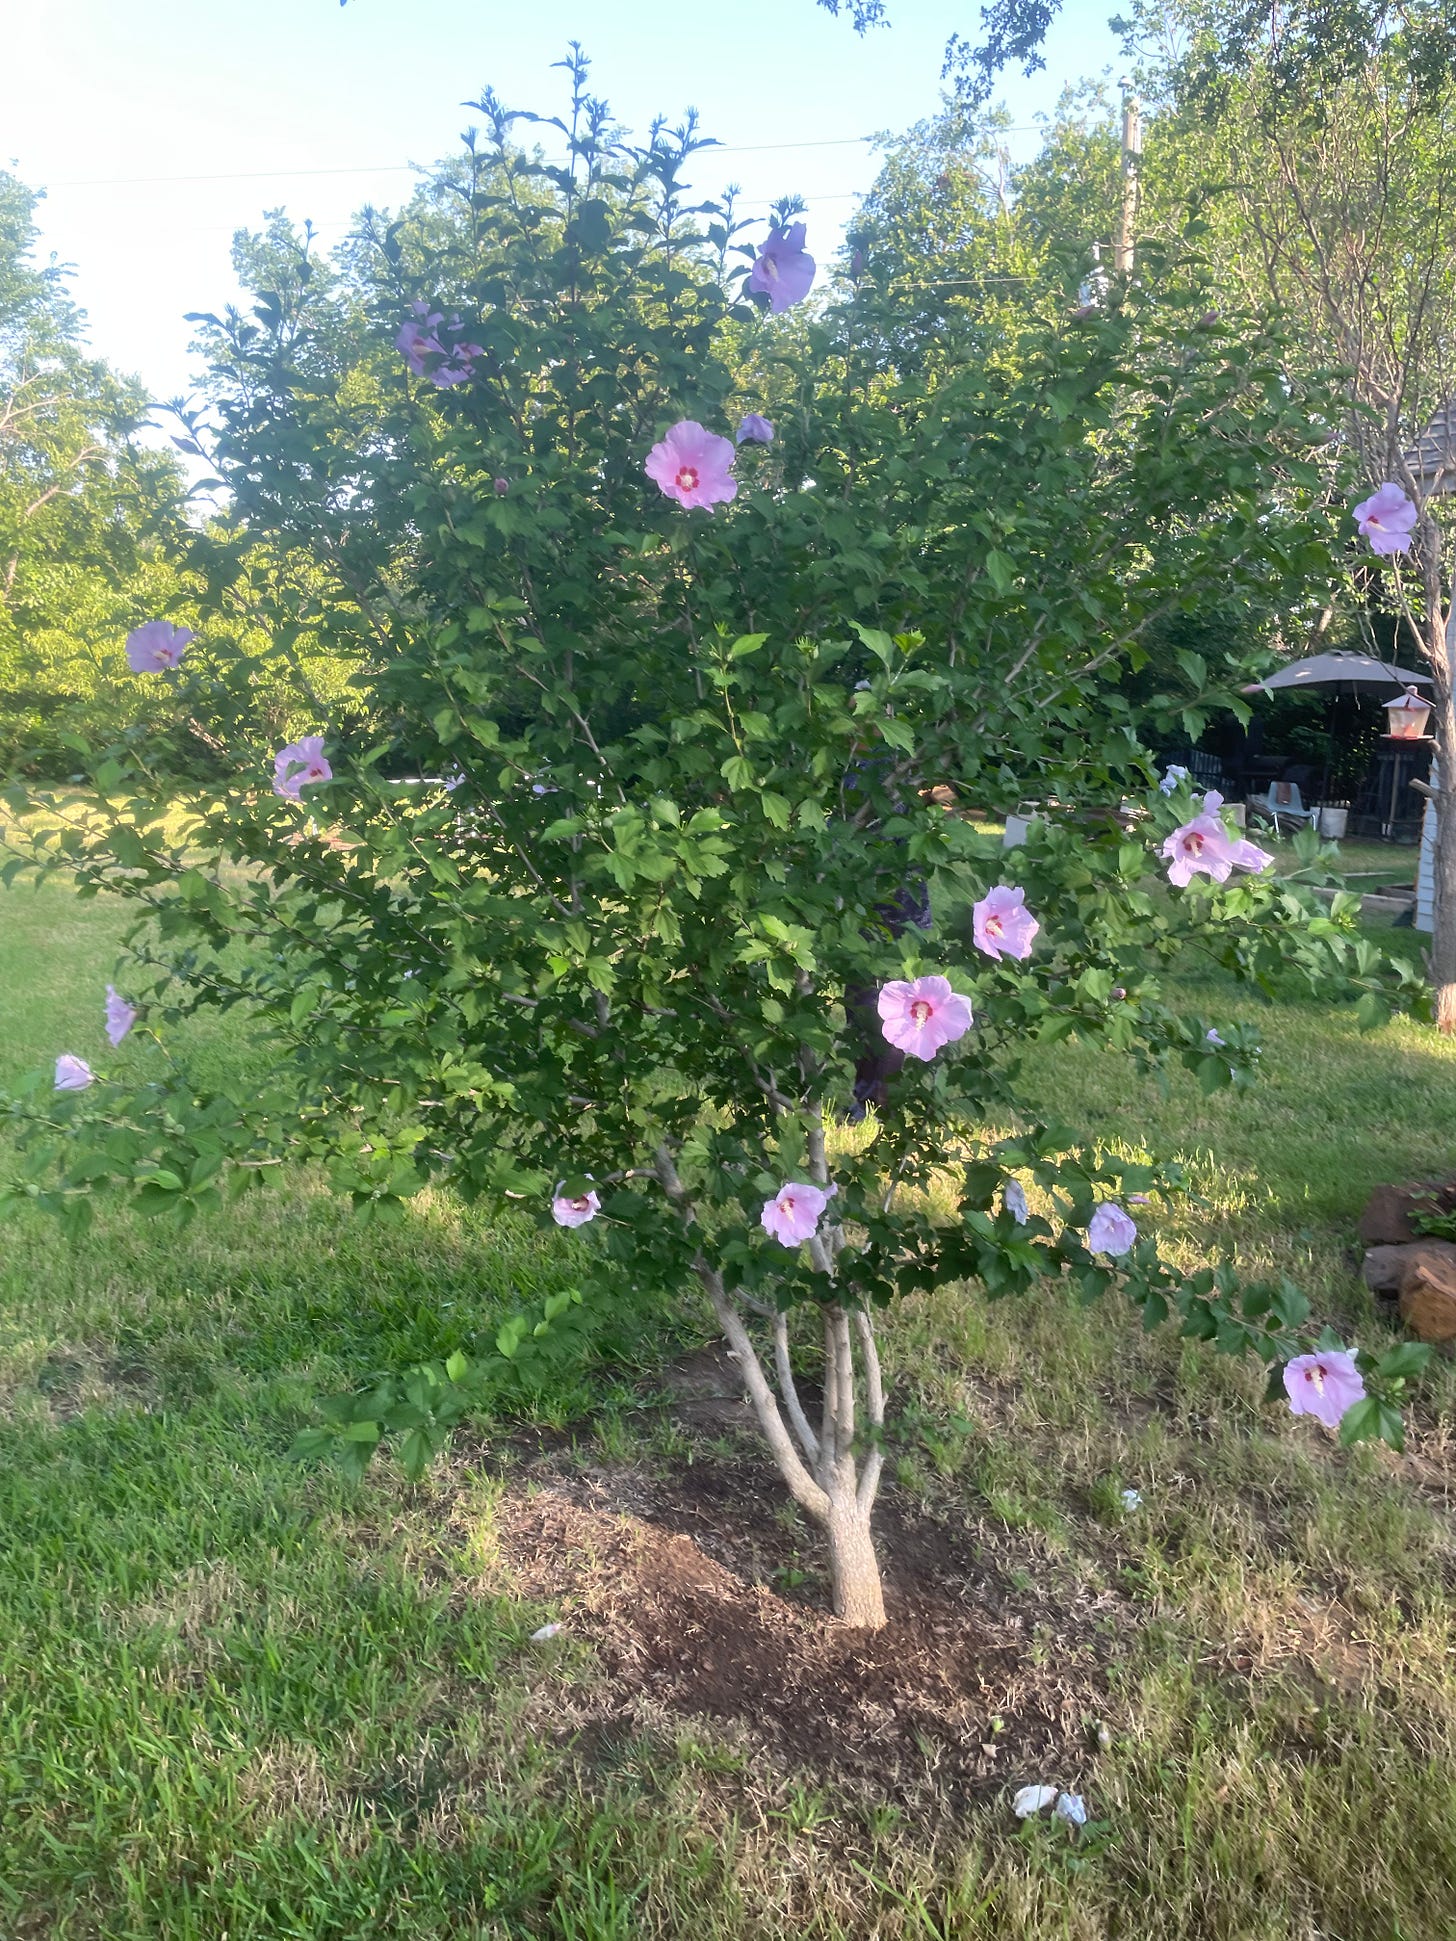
802	1486
790	1394
869	1481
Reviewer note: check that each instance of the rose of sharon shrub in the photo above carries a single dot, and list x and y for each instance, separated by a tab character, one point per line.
673	879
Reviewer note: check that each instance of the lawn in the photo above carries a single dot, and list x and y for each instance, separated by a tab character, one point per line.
242	1699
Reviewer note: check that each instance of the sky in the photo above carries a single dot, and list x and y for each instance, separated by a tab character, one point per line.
157	128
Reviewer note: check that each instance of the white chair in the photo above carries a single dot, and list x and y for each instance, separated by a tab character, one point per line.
1293	810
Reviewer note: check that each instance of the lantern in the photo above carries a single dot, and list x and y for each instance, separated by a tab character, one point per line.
1407	716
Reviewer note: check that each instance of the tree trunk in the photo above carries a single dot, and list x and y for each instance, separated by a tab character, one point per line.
853	1566
1441	650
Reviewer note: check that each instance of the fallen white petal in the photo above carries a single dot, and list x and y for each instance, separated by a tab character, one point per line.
1072	1808
1132	1499
546	1631
1031	1799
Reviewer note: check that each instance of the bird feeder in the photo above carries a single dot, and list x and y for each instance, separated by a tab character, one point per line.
1406	717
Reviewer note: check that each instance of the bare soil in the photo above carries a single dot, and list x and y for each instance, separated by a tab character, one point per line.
704	1594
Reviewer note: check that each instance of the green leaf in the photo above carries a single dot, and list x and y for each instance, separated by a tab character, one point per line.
1407	1358
416	1453
1371	1012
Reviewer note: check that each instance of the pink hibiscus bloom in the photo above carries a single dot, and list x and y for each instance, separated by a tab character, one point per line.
1248	855
1202	846
921	1016
784	270
754	430
793	1214
73	1074
575	1212
1387	519
120	1016
157	645
417	341
693	466
1324	1385
299	764
1110	1230
1003	926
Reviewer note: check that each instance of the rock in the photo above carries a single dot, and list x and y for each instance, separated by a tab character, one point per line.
1386	1220
1384	1267
1428	1292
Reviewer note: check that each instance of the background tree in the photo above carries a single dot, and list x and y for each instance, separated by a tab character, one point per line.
1333	202
87	515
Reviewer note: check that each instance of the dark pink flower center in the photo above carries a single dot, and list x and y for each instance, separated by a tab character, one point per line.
994	926
687	478
581	1204
1316	1376
921	1010
1193	844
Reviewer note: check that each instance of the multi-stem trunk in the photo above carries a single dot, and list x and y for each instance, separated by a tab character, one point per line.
819	1464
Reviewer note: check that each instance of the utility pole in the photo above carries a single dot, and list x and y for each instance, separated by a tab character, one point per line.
1132	151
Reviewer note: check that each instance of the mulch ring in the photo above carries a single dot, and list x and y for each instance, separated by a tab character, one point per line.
704	1599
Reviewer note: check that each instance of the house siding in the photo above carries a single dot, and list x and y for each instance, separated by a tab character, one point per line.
1425	918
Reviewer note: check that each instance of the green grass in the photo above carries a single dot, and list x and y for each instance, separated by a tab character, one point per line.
242	1699
1365	866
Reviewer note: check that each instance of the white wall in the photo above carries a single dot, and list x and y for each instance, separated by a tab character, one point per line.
1425	918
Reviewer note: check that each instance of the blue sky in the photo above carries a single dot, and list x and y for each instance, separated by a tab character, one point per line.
300	103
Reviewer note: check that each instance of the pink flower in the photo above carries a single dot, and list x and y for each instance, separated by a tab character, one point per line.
755	430
575	1212
1003	926
793	1214
73	1074
1325	1385
1203	846
1110	1231
1172	776
416	341
693	466
502	486
299	764
1248	855
1387	519
120	1016
784	270
922	1016
447	375
1013	1198
1211	1038
157	645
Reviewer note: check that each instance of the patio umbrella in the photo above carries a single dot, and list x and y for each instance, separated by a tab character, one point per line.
1337	667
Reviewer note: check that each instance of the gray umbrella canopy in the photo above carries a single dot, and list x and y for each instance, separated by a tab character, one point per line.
1323	670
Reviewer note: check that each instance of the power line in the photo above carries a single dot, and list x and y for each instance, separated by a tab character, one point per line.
413	168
